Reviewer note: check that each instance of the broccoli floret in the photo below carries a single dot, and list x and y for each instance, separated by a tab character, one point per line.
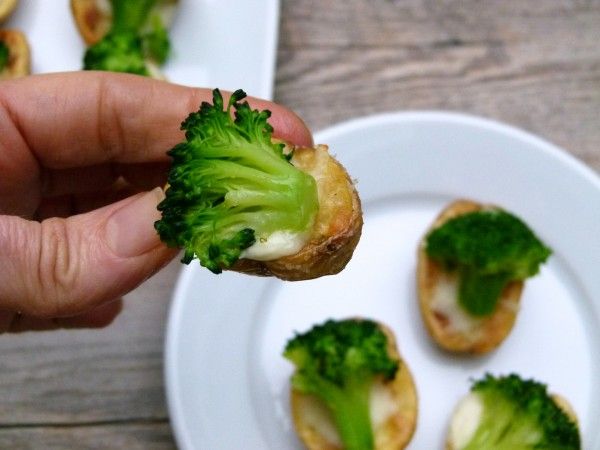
338	362
136	36
4	55
519	414
488	248
117	52
229	185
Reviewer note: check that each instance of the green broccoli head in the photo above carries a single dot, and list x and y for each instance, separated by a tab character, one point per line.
117	52
137	35
4	55
519	414
338	362
488	248
229	184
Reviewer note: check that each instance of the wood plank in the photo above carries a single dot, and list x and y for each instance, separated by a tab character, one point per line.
130	436
91	375
538	70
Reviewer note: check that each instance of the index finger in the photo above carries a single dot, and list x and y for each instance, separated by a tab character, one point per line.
87	118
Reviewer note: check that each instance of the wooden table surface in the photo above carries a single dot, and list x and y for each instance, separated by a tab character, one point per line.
533	64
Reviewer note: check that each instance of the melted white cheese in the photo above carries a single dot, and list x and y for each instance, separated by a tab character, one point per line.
444	301
383	404
465	420
276	245
317	416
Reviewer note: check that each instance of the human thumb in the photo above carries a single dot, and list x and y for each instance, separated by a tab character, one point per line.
63	267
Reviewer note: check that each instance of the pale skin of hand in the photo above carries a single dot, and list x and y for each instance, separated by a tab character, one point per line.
73	149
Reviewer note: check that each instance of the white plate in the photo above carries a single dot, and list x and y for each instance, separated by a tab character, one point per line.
227	44
227	383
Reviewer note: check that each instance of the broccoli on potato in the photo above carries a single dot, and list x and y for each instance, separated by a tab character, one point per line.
137	38
339	362
488	249
511	413
231	185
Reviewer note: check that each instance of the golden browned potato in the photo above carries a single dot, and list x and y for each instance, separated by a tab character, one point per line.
394	406
6	8
451	327
94	17
18	54
337	228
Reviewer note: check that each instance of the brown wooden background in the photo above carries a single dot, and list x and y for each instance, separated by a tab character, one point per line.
531	63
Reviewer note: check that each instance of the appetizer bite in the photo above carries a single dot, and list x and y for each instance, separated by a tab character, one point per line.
124	35
511	413
14	55
6	8
351	390
471	267
238	200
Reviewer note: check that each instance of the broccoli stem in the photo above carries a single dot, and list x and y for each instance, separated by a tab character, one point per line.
479	294
351	414
130	15
4	55
503	428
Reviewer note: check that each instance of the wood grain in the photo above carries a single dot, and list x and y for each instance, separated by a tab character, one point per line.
111	436
535	65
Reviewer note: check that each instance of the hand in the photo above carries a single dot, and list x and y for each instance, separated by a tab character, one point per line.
72	147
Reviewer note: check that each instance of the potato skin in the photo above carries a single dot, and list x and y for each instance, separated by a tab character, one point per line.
394	434
337	229
6	9
92	21
19	56
493	329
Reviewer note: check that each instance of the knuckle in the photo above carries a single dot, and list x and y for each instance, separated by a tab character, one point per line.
109	121
57	269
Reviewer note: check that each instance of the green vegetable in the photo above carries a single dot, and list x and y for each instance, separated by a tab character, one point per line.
137	35
229	185
156	41
4	54
519	414
488	248
338	362
117	52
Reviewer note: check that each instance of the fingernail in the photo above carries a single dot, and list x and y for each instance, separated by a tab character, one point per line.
130	230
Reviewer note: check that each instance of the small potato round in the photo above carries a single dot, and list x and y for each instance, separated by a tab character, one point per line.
450	327
94	17
6	8
19	57
315	427
337	227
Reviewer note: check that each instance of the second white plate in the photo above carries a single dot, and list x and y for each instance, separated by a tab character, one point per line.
227	383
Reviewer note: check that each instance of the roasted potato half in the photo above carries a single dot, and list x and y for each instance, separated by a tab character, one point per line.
449	326
394	411
337	227
6	8
94	17
18	55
